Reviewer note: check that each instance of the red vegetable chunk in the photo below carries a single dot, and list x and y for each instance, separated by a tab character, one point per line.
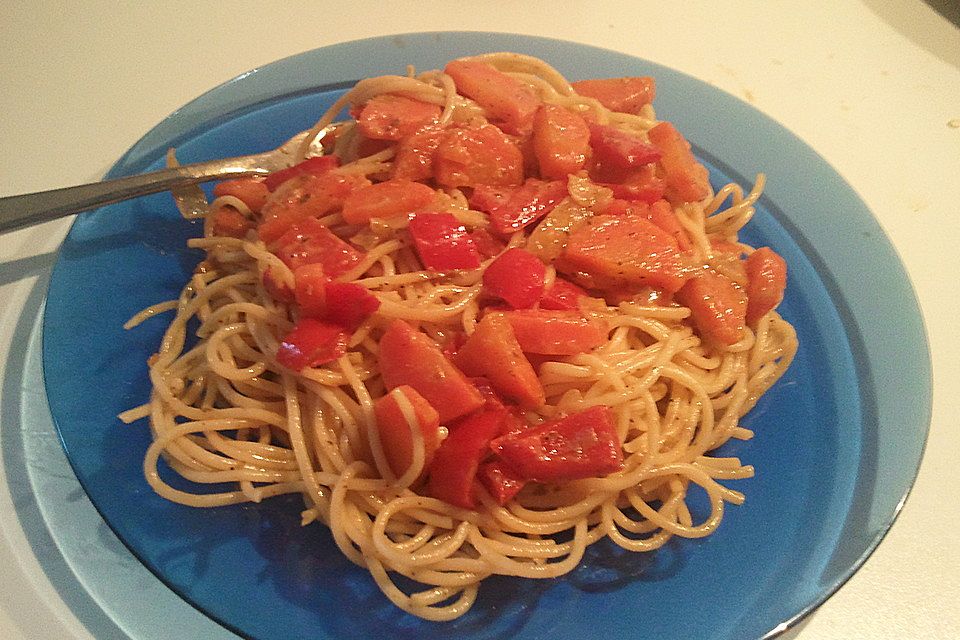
311	166
310	242
311	343
515	208
555	333
501	481
516	277
455	463
252	192
643	184
414	157
561	141
475	155
409	357
626	95
562	294
310	290
302	197
443	243
581	445
766	282
229	222
687	179
623	252
718	307
620	150
385	199
503	97
396	435
492	351
390	117
348	304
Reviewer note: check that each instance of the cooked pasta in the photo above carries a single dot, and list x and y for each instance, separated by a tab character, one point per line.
233	401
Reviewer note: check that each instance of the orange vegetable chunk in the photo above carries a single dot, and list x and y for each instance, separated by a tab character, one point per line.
390	117
627	95
396	433
686	178
305	196
492	351
622	252
252	192
555	333
718	307
503	97
385	199
229	222
766	282
409	357
561	141
475	155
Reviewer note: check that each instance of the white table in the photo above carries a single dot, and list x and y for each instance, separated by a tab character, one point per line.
875	89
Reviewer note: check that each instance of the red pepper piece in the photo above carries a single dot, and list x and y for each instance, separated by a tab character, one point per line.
516	277
500	480
311	343
455	463
512	209
310	242
443	243
310	290
580	445
348	304
619	149
561	295
312	166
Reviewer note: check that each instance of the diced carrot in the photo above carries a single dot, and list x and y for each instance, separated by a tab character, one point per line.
229	222
718	307
309	242
500	480
457	459
766	282
252	192
477	154
561	141
442	242
305	196
492	351
661	213
390	117
311	343
396	430
626	95
555	333
385	199
516	277
310	290
414	156
687	179
623	252
562	294
409	357
503	97
315	166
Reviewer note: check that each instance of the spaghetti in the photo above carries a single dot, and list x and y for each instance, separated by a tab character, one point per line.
233	408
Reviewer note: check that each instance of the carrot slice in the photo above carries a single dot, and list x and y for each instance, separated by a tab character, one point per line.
627	95
766	282
686	178
475	155
503	97
718	307
395	429
390	117
555	333
561	141
385	199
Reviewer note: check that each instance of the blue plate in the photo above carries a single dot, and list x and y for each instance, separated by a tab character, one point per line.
839	439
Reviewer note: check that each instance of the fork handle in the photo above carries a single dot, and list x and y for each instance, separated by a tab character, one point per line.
33	208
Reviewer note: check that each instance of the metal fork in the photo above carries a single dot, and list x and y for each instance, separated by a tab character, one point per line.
33	208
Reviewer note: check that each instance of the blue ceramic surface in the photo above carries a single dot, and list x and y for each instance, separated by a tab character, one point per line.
838	440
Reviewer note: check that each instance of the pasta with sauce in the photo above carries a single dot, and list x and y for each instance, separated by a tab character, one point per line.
503	317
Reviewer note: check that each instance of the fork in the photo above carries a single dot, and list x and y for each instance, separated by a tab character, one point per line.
33	208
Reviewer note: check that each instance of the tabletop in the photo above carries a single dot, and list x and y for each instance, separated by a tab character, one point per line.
873	86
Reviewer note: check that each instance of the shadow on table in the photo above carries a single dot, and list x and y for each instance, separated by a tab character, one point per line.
937	31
